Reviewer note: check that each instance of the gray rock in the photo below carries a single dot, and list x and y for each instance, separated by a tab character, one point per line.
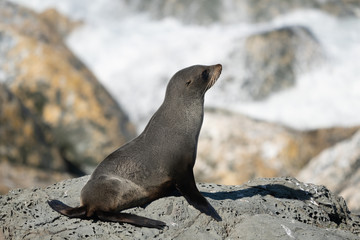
274	58
207	12
277	208
338	168
265	10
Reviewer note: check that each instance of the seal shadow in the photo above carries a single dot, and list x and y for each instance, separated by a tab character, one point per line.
275	190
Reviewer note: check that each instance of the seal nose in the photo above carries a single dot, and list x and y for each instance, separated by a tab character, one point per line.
218	67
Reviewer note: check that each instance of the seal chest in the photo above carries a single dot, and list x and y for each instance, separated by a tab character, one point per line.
158	161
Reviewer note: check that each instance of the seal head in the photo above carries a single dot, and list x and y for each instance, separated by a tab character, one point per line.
193	82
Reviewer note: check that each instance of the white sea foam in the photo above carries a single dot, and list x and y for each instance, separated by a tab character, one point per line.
329	95
134	57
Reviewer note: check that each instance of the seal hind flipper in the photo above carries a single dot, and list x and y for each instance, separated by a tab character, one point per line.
60	207
131	219
188	189
80	212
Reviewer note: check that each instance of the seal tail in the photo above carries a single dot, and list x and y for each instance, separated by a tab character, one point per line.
131	219
60	207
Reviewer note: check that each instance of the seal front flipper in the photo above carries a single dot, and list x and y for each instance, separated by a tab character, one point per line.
60	207
131	219
188	189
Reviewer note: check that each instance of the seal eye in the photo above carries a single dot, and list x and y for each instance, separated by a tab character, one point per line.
205	75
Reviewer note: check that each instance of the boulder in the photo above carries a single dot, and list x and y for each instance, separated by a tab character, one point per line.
207	12
20	176
240	148
28	154
265	10
58	88
274	58
24	139
278	208
339	169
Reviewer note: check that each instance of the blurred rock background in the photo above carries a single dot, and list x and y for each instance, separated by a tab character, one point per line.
55	115
58	121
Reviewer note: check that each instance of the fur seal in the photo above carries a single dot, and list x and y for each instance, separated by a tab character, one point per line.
158	161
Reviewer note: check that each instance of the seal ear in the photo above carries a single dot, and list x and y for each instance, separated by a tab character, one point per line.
188	82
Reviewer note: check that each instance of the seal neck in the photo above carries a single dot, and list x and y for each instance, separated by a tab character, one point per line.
177	118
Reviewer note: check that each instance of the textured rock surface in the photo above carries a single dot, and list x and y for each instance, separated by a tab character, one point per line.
339	169
24	139
279	208
273	59
240	148
55	86
28	154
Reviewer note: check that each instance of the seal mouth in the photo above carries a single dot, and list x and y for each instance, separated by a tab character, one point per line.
214	75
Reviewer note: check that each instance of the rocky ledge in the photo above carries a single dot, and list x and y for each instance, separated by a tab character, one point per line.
267	208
